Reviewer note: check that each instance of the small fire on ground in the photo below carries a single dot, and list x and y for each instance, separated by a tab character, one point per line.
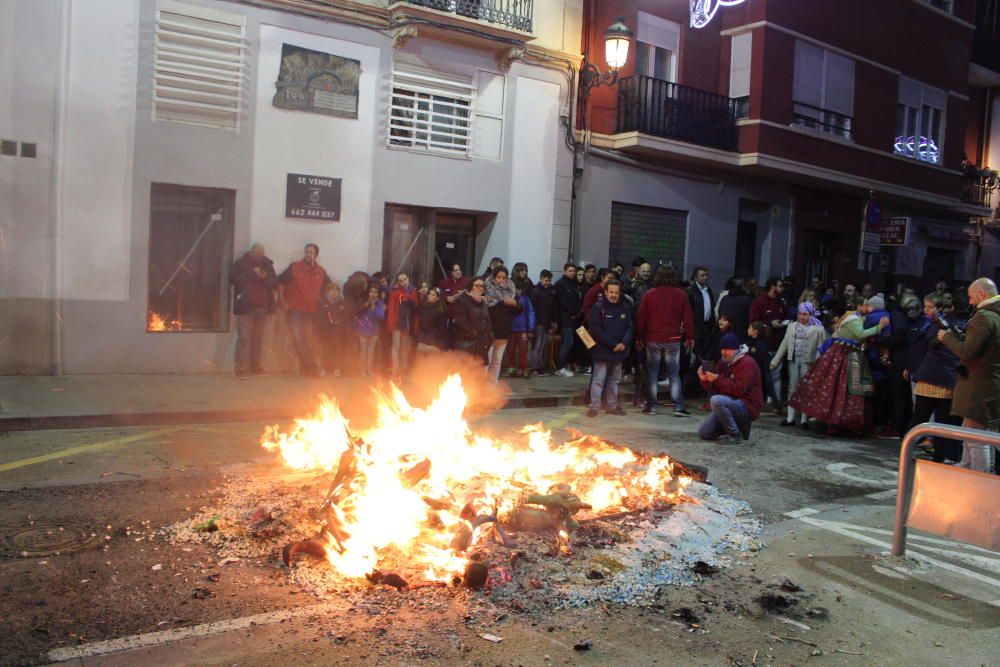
157	322
422	485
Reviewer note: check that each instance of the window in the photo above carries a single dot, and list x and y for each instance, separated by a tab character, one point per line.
823	90
198	66
190	251
919	121
430	111
943	5
657	45
739	73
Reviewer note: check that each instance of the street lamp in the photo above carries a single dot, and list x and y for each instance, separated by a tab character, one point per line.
616	42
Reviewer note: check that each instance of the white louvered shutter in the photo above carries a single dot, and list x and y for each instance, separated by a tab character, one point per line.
198	66
430	111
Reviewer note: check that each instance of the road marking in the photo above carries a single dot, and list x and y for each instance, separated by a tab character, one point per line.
151	639
93	447
567	417
805	511
882	495
848	530
839	468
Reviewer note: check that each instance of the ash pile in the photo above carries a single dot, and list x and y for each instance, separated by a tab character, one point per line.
624	558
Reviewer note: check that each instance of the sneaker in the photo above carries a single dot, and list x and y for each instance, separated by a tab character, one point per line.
730	440
564	372
785	422
663	383
587	371
591	412
617	411
681	413
745	431
649	411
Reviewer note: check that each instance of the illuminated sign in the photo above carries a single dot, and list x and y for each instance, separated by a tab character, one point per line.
922	148
703	11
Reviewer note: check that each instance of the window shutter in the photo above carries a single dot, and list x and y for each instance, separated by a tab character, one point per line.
909	92
839	84
430	110
808	84
659	32
198	66
488	129
739	68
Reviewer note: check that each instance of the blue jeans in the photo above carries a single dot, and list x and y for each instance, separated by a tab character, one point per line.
566	347
728	416
301	324
671	353
604	382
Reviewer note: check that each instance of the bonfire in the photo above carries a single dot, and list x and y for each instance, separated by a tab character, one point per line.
422	485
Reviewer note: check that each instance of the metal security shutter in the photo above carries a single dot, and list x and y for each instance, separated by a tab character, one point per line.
655	234
198	66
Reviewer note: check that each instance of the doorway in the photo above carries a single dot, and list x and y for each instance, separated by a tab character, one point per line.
425	242
745	264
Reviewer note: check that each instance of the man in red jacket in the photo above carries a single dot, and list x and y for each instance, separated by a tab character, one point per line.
301	286
664	319
737	396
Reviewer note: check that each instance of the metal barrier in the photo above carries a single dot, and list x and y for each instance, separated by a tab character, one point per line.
907	465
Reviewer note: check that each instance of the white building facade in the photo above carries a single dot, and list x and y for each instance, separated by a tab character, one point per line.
148	143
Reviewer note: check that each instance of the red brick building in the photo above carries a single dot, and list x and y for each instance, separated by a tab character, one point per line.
766	131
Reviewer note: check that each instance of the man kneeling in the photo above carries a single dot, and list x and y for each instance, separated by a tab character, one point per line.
736	394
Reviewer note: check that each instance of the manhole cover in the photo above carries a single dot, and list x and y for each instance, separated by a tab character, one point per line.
47	539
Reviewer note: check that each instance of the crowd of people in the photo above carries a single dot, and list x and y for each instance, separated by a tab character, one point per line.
855	362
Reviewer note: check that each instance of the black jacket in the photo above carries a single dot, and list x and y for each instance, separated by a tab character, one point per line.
247	284
432	324
698	309
472	320
543	300
569	303
610	324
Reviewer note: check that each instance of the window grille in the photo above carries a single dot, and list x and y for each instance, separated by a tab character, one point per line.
430	112
198	66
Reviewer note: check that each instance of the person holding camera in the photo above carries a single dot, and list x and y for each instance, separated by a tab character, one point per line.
977	395
933	369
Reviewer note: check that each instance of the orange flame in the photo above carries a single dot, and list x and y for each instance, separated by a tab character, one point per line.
389	502
156	322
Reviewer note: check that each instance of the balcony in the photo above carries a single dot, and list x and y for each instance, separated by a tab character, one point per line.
513	14
666	109
978	185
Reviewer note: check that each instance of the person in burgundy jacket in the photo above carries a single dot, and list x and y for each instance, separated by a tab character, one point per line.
596	293
664	320
254	281
301	287
770	308
736	394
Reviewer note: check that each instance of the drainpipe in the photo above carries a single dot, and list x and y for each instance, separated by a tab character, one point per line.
60	94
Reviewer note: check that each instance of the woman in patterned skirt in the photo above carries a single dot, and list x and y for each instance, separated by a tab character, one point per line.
835	389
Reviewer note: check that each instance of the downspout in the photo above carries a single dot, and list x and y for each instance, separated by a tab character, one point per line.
60	93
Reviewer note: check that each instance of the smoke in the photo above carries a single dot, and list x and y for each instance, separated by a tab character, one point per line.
430	370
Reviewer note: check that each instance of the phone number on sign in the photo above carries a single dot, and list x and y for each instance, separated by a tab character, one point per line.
309	213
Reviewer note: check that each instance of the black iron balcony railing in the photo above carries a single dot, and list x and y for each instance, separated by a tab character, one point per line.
514	14
670	110
978	185
824	120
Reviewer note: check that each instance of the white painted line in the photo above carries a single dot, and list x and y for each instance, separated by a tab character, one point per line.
845	530
840	468
882	495
167	636
954	546
805	511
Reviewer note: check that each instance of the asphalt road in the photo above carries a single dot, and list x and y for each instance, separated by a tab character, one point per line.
827	505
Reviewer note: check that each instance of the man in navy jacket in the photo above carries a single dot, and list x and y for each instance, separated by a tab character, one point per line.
568	305
611	325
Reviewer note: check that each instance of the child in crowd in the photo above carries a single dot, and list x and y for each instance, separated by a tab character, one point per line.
543	299
334	327
757	350
799	348
367	325
400	316
432	322
522	327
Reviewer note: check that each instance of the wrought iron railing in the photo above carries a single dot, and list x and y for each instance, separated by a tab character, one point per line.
978	186
516	14
824	120
670	110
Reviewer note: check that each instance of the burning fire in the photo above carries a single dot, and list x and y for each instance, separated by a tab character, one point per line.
155	322
422	484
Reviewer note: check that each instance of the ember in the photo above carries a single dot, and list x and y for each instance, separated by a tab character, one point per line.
421	484
156	322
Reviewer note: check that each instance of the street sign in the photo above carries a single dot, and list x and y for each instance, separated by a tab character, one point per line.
871	242
312	198
873	214
895	231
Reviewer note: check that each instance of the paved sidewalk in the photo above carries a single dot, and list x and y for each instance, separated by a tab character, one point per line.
79	401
